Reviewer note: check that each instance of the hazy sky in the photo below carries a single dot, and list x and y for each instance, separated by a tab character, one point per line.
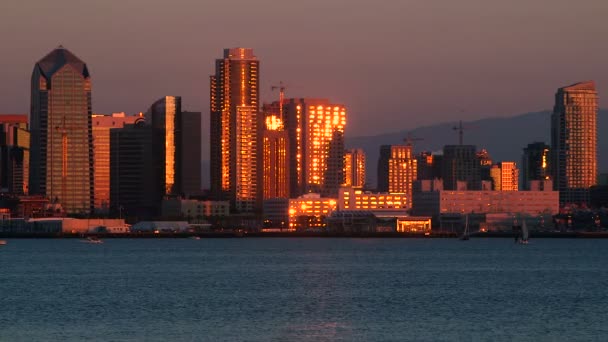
395	64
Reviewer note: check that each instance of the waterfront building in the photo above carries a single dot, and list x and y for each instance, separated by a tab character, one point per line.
194	210
380	203
535	164
102	124
191	145
316	144
574	141
354	168
397	169
14	154
276	212
137	172
429	199
505	176
61	148
234	101
275	159
461	164
428	166
309	211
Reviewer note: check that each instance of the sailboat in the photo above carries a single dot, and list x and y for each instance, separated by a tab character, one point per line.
465	233
524	233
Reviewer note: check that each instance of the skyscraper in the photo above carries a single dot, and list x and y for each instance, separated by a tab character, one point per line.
429	166
61	134
101	155
316	144
460	164
275	159
136	171
165	115
397	168
535	164
354	168
574	141
191	153
234	101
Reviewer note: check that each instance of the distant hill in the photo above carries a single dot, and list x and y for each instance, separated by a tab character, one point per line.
504	138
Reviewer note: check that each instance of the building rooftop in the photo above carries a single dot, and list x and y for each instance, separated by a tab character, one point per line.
587	85
59	57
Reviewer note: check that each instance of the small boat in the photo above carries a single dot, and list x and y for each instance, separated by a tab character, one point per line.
524	233
2	242
92	239
465	233
195	237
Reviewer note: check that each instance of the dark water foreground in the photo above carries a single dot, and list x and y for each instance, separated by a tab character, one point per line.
300	289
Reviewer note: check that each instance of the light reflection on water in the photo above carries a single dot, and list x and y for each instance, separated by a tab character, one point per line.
303	290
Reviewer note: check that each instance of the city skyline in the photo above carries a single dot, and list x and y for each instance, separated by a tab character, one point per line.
417	53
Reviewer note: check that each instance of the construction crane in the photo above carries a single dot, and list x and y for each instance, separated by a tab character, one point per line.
281	88
409	139
460	128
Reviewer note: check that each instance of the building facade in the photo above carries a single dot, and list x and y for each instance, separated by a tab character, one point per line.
165	116
536	164
102	124
234	101
316	144
14	154
309	211
191	145
397	169
137	171
460	164
505	176
275	159
61	131
354	168
428	166
574	141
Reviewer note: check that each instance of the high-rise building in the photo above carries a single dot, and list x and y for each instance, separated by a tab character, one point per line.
354	168
535	164
316	144
505	176
14	154
101	155
397	168
61	132
460	164
234	101
429	166
275	159
574	141
191	153
136	171
165	115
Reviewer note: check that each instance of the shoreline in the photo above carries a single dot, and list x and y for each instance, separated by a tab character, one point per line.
239	234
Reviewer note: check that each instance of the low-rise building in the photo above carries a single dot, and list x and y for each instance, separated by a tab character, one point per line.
309	211
194	210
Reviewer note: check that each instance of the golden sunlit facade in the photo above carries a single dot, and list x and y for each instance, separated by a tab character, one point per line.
324	159
355	199
165	115
14	153
505	176
397	169
574	141
101	154
61	132
245	167
275	156
234	101
309	211
354	168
